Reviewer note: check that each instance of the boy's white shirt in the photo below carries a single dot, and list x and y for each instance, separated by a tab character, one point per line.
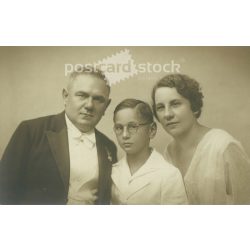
156	182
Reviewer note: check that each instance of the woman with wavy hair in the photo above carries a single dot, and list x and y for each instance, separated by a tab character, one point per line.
214	165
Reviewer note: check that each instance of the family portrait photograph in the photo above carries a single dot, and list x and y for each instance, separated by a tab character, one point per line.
125	125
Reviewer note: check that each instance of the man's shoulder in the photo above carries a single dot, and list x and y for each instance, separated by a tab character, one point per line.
108	144
45	122
103	138
39	120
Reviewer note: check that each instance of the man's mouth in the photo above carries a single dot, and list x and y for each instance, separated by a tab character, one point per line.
87	115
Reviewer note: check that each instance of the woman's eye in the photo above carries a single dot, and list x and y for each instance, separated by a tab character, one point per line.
176	104
158	108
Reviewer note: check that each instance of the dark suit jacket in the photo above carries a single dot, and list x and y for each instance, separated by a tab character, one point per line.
35	166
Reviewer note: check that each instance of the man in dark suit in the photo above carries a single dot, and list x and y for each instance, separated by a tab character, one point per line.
62	159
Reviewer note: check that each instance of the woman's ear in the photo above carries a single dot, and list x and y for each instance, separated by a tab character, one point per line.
196	113
153	130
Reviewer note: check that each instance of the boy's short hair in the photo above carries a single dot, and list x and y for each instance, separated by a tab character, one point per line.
143	109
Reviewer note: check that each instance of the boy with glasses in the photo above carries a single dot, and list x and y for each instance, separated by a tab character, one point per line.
142	176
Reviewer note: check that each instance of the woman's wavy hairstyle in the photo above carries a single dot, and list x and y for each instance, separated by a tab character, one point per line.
186	87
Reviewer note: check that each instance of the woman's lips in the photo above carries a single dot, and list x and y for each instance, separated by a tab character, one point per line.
170	124
127	144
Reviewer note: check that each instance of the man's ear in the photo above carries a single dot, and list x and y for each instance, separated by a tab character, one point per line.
65	96
109	101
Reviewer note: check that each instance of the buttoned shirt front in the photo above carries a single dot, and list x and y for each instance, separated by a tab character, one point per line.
83	165
156	182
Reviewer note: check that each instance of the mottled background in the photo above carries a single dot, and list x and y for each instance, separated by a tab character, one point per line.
32	78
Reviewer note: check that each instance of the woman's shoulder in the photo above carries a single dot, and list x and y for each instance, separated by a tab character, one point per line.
219	132
220	136
216	141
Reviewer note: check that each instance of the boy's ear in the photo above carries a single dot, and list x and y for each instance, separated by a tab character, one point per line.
153	130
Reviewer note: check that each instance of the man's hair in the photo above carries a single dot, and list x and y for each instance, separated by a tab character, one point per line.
143	109
186	87
88	70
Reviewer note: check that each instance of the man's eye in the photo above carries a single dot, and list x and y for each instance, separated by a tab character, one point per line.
99	99
82	95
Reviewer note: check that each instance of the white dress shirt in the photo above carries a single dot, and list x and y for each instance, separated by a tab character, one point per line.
155	182
83	165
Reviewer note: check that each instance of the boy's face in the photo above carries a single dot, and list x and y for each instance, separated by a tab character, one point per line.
135	134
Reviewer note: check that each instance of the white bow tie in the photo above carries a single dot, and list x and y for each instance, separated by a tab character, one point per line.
85	140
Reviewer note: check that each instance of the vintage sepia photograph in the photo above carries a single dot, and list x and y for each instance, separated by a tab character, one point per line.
113	125
124	125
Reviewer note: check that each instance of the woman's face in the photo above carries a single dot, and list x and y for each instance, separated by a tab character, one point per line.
174	111
127	121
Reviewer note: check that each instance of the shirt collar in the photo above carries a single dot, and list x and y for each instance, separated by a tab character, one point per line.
76	133
149	166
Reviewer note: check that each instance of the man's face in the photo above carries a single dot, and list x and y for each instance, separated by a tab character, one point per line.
86	101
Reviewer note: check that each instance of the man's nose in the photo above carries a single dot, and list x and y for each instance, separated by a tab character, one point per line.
125	133
89	102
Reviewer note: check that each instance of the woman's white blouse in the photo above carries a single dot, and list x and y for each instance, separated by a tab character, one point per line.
219	172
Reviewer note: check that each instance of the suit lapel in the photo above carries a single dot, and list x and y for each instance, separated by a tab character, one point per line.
104	163
58	141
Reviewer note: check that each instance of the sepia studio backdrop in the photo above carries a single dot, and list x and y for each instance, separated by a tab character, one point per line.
32	79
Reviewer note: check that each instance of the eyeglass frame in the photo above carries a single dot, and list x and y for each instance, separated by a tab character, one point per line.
138	125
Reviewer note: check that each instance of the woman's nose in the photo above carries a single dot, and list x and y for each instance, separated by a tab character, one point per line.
168	114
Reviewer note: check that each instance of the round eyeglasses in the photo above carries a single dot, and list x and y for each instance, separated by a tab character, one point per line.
132	127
